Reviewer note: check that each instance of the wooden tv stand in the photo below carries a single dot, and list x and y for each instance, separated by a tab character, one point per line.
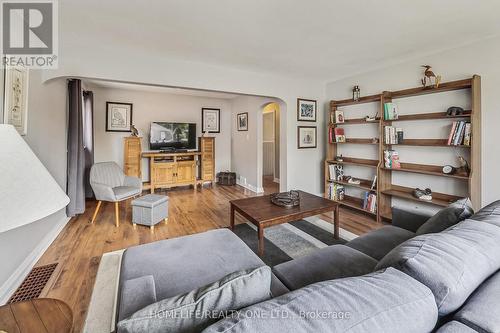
167	170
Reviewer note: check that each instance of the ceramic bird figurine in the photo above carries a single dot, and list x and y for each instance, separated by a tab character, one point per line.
429	75
134	131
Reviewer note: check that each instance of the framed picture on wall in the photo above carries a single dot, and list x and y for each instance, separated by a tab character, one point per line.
306	110
15	108
118	117
306	137
210	120
242	121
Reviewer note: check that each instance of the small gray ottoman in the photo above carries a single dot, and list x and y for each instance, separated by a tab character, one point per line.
149	210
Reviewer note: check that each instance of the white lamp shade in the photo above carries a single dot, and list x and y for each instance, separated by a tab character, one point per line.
27	190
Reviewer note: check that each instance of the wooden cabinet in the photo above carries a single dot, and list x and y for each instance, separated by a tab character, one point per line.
163	173
207	167
186	172
172	169
132	156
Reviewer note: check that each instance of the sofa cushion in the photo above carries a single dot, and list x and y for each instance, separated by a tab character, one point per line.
136	294
384	301
455	327
452	263
379	242
442	220
482	310
332	262
191	312
466	204
489	214
182	264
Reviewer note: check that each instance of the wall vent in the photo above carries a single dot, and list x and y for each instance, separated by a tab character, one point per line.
34	283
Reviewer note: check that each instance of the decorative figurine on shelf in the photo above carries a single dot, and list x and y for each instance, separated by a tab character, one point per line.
429	75
134	131
356	93
464	164
339	158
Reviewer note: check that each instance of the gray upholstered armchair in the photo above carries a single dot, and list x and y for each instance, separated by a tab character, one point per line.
110	184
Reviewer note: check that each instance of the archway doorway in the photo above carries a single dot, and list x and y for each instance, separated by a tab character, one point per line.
271	147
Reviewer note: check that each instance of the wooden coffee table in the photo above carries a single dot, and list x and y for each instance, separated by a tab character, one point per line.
41	315
261	212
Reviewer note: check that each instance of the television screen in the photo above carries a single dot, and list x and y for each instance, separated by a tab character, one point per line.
172	136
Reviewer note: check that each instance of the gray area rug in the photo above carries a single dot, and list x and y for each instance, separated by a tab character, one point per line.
287	241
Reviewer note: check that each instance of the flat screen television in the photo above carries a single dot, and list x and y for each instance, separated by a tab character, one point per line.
172	136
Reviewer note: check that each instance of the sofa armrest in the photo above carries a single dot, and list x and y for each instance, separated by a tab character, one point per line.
103	192
133	181
410	221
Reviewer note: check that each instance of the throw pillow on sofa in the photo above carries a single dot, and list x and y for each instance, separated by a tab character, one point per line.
452	263
447	217
194	311
379	302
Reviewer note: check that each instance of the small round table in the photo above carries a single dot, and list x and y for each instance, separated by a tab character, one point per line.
41	315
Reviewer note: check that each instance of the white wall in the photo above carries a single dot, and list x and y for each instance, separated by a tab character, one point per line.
20	248
157	106
480	58
302	169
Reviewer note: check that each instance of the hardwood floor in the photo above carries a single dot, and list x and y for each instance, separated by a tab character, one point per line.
80	245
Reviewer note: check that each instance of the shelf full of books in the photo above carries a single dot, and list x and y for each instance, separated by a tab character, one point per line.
460	134
338	181
464	125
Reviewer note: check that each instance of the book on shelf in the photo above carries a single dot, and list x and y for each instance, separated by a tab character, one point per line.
393	135
374	183
390	111
460	134
339	134
370	202
467	134
336	172
339	117
336	192
391	159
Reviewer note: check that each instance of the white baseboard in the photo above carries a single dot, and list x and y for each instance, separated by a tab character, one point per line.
13	282
250	187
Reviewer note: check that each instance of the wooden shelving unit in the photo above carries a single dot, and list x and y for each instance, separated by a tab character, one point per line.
355	161
385	189
355	203
357	141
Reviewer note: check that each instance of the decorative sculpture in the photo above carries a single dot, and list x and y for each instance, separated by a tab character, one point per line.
134	130
429	77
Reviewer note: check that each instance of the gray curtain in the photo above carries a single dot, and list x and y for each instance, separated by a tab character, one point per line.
76	154
88	139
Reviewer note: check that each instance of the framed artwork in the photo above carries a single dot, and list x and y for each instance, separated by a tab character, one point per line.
306	110
15	108
242	121
118	117
306	137
210	120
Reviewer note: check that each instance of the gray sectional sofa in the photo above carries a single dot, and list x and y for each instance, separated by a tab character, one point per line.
419	274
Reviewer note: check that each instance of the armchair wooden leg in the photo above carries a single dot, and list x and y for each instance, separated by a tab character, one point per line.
96	211
117	215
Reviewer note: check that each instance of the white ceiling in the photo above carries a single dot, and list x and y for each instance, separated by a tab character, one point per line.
158	89
325	39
